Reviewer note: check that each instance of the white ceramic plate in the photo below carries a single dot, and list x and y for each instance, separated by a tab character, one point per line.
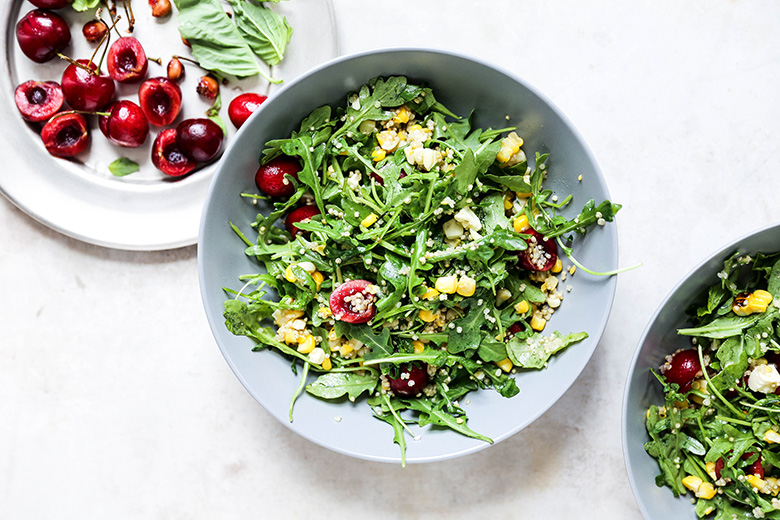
462	84
144	210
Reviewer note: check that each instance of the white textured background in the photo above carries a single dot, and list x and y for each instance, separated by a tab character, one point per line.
116	403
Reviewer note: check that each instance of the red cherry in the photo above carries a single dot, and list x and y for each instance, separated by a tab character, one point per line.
353	301
302	214
200	139
168	157
42	34
410	381
38	100
541	253
515	328
85	91
243	106
270	176
51	4
126	124
94	30
126	60
160	99
682	368
65	135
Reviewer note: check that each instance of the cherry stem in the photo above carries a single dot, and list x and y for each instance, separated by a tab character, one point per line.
158	61
77	64
130	17
82	112
100	44
218	76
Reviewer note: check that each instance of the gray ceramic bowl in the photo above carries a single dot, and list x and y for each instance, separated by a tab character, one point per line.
462	84
642	388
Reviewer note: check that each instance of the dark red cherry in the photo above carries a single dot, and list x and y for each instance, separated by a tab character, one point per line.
126	124
200	139
243	106
302	214
410	381
160	99
51	4
87	91
515	328
126	60
353	301
42	34
168	157
38	100
682	368
65	135
541	253
94	30
270	177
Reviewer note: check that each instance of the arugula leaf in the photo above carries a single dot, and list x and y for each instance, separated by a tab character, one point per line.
266	32
535	351
336	384
431	414
216	43
722	327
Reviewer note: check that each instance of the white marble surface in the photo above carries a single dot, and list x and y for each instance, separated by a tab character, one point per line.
116	403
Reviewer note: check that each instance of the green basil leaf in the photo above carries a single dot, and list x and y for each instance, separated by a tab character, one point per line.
83	5
215	41
266	32
123	166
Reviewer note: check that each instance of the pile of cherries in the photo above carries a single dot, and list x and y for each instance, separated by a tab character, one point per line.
42	35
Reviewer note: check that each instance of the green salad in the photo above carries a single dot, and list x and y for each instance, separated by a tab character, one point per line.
418	260
716	435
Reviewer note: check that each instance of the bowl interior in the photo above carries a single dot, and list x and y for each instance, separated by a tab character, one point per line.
463	85
642	388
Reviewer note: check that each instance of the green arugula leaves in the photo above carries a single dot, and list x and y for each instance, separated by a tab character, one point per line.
719	430
383	215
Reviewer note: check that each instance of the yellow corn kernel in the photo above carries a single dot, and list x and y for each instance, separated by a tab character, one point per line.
510	145
306	344
692	482
572	269
523	195
291	337
288	274
757	482
326	364
557	267
505	364
427	316
415	128
710	467
706	491
537	322
402	114
369	220
520	224
447	284
346	348
378	154
466	286
324	312
318	279
418	345
522	307
757	301
431	294
508	201
772	437
502	295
